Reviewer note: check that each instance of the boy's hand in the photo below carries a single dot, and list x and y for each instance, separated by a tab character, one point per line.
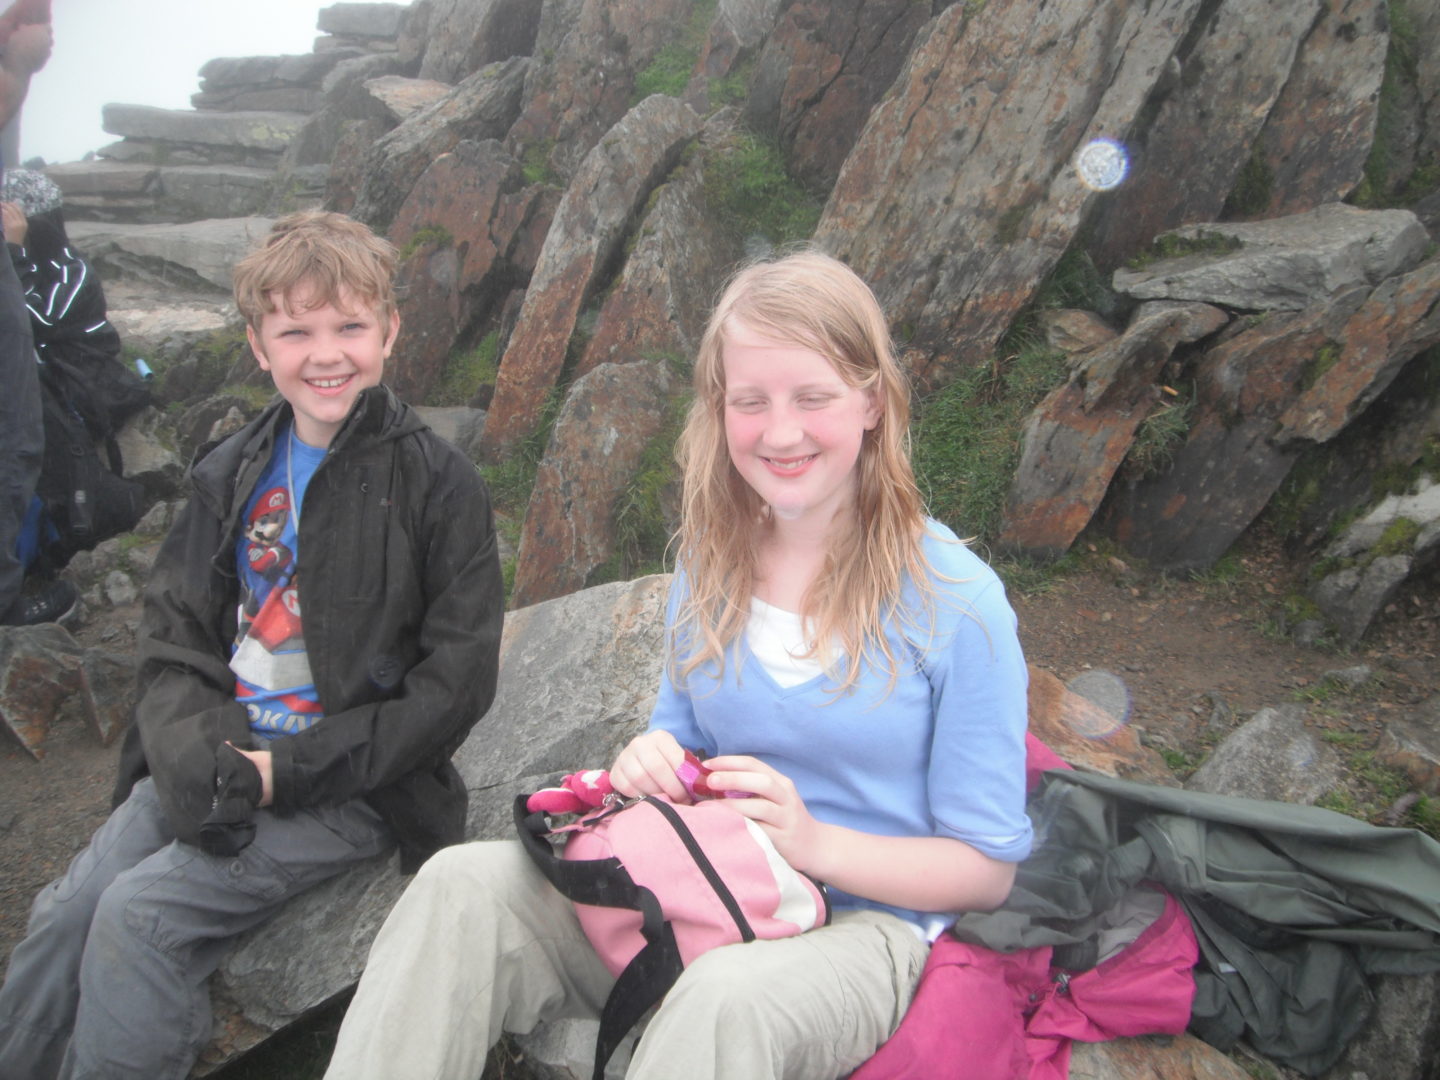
647	767
261	760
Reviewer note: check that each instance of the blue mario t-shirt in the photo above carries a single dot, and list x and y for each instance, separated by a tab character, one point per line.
272	668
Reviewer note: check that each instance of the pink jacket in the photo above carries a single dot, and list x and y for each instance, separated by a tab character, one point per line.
985	1015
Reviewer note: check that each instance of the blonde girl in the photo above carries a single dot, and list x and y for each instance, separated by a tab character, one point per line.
835	653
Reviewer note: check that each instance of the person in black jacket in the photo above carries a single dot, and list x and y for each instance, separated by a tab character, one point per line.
302	686
64	295
25	43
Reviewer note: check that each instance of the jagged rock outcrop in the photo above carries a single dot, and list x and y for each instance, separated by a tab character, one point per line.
1077	438
591	223
1262	396
609	417
821	71
1075	441
1318	134
482	106
466	35
661	299
948	136
590	53
1232	53
473	227
956	221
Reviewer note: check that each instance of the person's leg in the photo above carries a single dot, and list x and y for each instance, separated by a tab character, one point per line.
22	433
478	944
814	1006
38	999
162	928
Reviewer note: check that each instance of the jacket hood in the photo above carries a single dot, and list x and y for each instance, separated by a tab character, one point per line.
221	469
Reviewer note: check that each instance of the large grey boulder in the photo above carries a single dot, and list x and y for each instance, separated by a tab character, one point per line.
1283	264
578	678
1375	555
1271	756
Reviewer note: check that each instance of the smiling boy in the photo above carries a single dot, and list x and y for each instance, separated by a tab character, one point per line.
302	686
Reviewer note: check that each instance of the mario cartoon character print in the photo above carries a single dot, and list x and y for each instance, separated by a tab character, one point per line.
272	669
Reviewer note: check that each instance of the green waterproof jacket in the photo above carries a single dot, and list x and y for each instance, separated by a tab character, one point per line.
1292	905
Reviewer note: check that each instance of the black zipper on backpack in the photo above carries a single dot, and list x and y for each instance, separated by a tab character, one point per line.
706	867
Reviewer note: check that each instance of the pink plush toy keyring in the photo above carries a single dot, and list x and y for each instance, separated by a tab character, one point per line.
587	790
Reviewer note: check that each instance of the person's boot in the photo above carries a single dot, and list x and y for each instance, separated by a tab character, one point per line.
53	601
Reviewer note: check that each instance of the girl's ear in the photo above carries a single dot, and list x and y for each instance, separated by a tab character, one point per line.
873	409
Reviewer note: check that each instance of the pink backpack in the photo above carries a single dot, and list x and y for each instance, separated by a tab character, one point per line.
656	883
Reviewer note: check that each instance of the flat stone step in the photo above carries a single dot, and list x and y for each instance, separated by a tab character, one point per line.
197	254
270	131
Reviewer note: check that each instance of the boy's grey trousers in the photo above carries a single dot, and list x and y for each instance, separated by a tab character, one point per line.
110	980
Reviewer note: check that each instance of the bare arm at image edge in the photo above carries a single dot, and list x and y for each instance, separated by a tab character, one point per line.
24	53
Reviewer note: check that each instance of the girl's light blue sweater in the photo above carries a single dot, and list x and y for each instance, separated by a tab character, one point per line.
943	754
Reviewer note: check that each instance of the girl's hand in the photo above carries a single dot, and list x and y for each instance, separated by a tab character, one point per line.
647	767
774	805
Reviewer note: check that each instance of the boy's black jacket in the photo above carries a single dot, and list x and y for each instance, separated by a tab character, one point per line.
403	607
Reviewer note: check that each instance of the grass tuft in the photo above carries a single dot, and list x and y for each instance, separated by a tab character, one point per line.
967	435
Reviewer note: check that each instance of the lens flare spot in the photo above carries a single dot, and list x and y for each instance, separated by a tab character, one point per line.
1102	164
1109	699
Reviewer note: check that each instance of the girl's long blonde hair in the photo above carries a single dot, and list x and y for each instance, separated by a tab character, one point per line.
816	302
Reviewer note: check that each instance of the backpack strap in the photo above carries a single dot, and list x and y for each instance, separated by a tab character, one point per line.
606	883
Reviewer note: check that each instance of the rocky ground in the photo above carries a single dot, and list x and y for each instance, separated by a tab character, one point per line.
1197	657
